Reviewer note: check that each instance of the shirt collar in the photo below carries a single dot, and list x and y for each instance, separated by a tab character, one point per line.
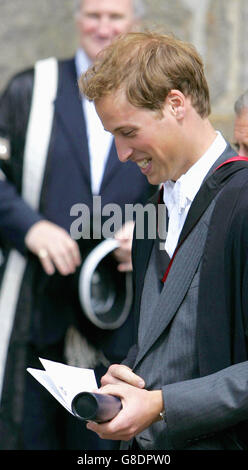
82	62
183	191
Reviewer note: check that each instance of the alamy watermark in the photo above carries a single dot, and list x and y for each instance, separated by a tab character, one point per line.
105	221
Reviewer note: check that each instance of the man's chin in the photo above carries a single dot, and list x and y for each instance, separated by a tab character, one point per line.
153	180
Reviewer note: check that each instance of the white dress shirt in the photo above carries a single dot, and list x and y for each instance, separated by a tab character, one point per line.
179	195
99	140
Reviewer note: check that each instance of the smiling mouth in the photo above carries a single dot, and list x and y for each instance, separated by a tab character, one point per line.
143	163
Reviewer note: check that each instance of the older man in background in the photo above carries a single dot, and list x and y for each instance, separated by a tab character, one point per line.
241	124
55	154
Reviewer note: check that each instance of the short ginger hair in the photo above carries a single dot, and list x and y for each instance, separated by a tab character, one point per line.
147	66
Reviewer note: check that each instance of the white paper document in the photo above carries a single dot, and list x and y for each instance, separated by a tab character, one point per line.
64	382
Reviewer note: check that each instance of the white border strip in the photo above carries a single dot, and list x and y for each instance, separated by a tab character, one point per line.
35	155
39	129
8	300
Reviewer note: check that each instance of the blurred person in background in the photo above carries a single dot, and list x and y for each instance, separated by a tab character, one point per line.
54	154
241	124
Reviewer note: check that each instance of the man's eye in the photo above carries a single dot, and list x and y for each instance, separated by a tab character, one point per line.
93	16
116	17
128	133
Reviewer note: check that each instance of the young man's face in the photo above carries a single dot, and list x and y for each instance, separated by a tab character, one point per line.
152	141
241	133
100	21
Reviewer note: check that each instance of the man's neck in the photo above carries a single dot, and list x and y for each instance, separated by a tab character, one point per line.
198	138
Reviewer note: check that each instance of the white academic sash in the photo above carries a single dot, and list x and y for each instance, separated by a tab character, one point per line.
34	163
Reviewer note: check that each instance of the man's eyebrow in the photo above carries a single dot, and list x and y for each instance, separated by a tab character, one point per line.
120	128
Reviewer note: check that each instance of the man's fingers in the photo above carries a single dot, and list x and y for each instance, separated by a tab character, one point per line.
123	252
46	262
125	267
121	373
54	247
67	258
123	256
52	261
75	253
126	231
60	258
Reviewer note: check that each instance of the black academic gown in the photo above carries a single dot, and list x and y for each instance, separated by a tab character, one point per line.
222	320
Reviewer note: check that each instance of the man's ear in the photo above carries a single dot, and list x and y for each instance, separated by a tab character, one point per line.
175	100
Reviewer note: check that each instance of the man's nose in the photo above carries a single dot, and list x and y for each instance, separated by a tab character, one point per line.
124	151
104	26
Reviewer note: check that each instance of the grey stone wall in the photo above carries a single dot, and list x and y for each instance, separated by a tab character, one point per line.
33	29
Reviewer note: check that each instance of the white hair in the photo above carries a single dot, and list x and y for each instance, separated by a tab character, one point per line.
138	5
241	103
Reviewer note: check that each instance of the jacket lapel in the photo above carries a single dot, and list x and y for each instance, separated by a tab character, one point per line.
141	254
142	260
112	166
72	120
175	287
